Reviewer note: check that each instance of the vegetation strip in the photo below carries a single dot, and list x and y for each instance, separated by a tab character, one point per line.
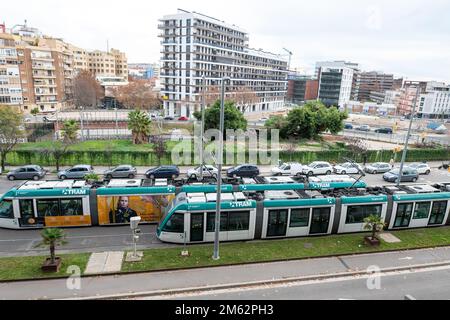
237	253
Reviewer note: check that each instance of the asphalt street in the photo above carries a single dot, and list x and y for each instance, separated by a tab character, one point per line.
158	285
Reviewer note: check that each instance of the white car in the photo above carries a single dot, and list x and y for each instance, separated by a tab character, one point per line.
422	168
347	168
318	167
292	169
208	171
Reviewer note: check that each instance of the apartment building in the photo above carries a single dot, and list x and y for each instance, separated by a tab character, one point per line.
335	85
10	87
301	89
37	71
435	103
368	82
196	46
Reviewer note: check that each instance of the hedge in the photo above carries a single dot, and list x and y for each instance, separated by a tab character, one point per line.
102	158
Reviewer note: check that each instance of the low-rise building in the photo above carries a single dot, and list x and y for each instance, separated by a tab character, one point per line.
435	103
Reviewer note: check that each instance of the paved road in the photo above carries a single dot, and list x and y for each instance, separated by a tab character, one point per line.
427	285
151	284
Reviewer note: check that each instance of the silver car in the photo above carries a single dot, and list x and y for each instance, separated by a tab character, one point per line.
27	173
76	172
125	171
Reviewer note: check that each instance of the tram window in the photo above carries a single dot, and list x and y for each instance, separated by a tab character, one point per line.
357	214
211	222
48	208
438	212
299	218
6	209
238	220
175	224
72	207
422	210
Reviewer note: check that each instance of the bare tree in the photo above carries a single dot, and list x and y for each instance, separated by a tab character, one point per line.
357	147
87	91
11	131
244	97
159	147
138	95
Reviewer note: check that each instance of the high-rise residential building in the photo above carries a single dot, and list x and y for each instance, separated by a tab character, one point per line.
336	65
435	103
196	46
37	71
335	85
301	89
368	82
10	87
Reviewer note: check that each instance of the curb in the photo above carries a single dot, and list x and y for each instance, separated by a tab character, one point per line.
258	283
90	276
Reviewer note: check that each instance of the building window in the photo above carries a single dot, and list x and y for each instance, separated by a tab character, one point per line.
299	218
357	214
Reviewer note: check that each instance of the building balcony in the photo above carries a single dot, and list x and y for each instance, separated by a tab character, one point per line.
42	67
42	58
169	42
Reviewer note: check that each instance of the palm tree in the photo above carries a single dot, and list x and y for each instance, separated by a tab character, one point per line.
70	131
375	224
52	237
140	125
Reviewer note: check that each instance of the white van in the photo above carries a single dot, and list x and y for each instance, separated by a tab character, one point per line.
291	169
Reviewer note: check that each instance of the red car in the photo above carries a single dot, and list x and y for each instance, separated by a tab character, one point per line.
183	119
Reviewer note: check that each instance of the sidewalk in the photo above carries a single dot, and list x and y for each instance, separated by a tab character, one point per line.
208	278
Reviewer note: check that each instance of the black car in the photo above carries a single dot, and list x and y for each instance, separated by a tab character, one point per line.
243	171
384	130
348	126
169	118
163	172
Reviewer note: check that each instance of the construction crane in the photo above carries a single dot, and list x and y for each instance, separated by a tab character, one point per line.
290	56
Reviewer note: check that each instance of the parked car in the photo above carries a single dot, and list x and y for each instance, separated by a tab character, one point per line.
318	167
208	171
183	119
422	168
409	175
384	130
292	169
163	172
263	119
169	118
365	128
243	171
125	171
378	167
31	172
348	126
346	168
76	172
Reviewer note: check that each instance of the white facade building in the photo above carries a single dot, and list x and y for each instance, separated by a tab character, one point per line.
196	46
335	65
335	85
436	102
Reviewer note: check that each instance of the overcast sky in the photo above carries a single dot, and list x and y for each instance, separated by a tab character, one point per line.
410	38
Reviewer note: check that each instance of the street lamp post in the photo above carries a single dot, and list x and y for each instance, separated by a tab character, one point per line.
219	167
405	149
202	128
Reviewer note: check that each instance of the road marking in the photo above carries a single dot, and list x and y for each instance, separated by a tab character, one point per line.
407	258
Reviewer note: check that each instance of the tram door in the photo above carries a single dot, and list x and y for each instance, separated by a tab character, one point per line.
197	227
404	212
277	224
320	220
27	217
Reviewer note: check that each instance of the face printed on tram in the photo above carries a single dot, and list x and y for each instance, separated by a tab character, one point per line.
123	202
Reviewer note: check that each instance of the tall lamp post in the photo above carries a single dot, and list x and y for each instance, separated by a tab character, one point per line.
219	167
202	128
405	149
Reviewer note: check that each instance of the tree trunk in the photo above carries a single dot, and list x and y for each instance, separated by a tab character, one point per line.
3	161
52	252
374	231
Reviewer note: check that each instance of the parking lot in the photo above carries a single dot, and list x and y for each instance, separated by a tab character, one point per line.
436	176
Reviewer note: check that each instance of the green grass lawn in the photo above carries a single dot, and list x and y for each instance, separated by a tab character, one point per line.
258	251
30	267
233	253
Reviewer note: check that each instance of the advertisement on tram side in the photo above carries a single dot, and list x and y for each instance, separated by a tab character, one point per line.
120	209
